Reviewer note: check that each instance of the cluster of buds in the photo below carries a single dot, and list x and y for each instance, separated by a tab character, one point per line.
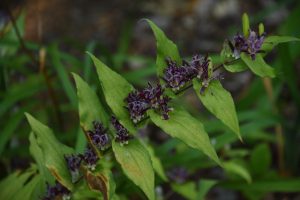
122	135
90	158
250	45
58	191
73	164
138	102
177	77
99	136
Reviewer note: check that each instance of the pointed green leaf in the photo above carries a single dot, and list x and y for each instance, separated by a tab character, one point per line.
116	90
204	186
183	126
165	49
28	191
220	103
258	66
271	41
238	169
187	190
53	151
136	164
260	160
13	183
37	153
158	168
90	108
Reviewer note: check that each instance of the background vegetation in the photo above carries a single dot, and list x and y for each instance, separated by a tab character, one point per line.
42	42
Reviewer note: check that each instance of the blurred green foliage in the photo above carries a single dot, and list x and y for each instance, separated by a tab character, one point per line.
45	88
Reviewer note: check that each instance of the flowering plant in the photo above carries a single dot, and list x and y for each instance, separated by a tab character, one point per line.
111	134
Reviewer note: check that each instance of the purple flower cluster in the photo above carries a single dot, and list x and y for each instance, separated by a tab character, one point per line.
177	76
250	45
90	158
138	102
58	191
122	135
99	136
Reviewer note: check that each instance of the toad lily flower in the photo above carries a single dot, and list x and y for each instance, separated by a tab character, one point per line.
122	135
251	45
90	158
99	136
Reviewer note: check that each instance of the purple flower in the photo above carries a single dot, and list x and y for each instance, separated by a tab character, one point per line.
137	106
163	108
90	158
178	174
73	162
150	94
250	45
57	191
175	76
200	65
122	135
138	102
99	137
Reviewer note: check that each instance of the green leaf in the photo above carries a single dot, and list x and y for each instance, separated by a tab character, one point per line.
238	169
13	183
37	153
53	151
258	66
246	26
220	103
63	75
29	190
90	108
271	41
204	186
183	126
282	185
165	49
9	128
136	164
156	163
116	90
187	190
238	66
260	160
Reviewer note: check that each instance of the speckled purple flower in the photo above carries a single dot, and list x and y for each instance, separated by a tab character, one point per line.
251	45
175	76
73	164
90	158
122	135
57	191
137	106
138	102
99	136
